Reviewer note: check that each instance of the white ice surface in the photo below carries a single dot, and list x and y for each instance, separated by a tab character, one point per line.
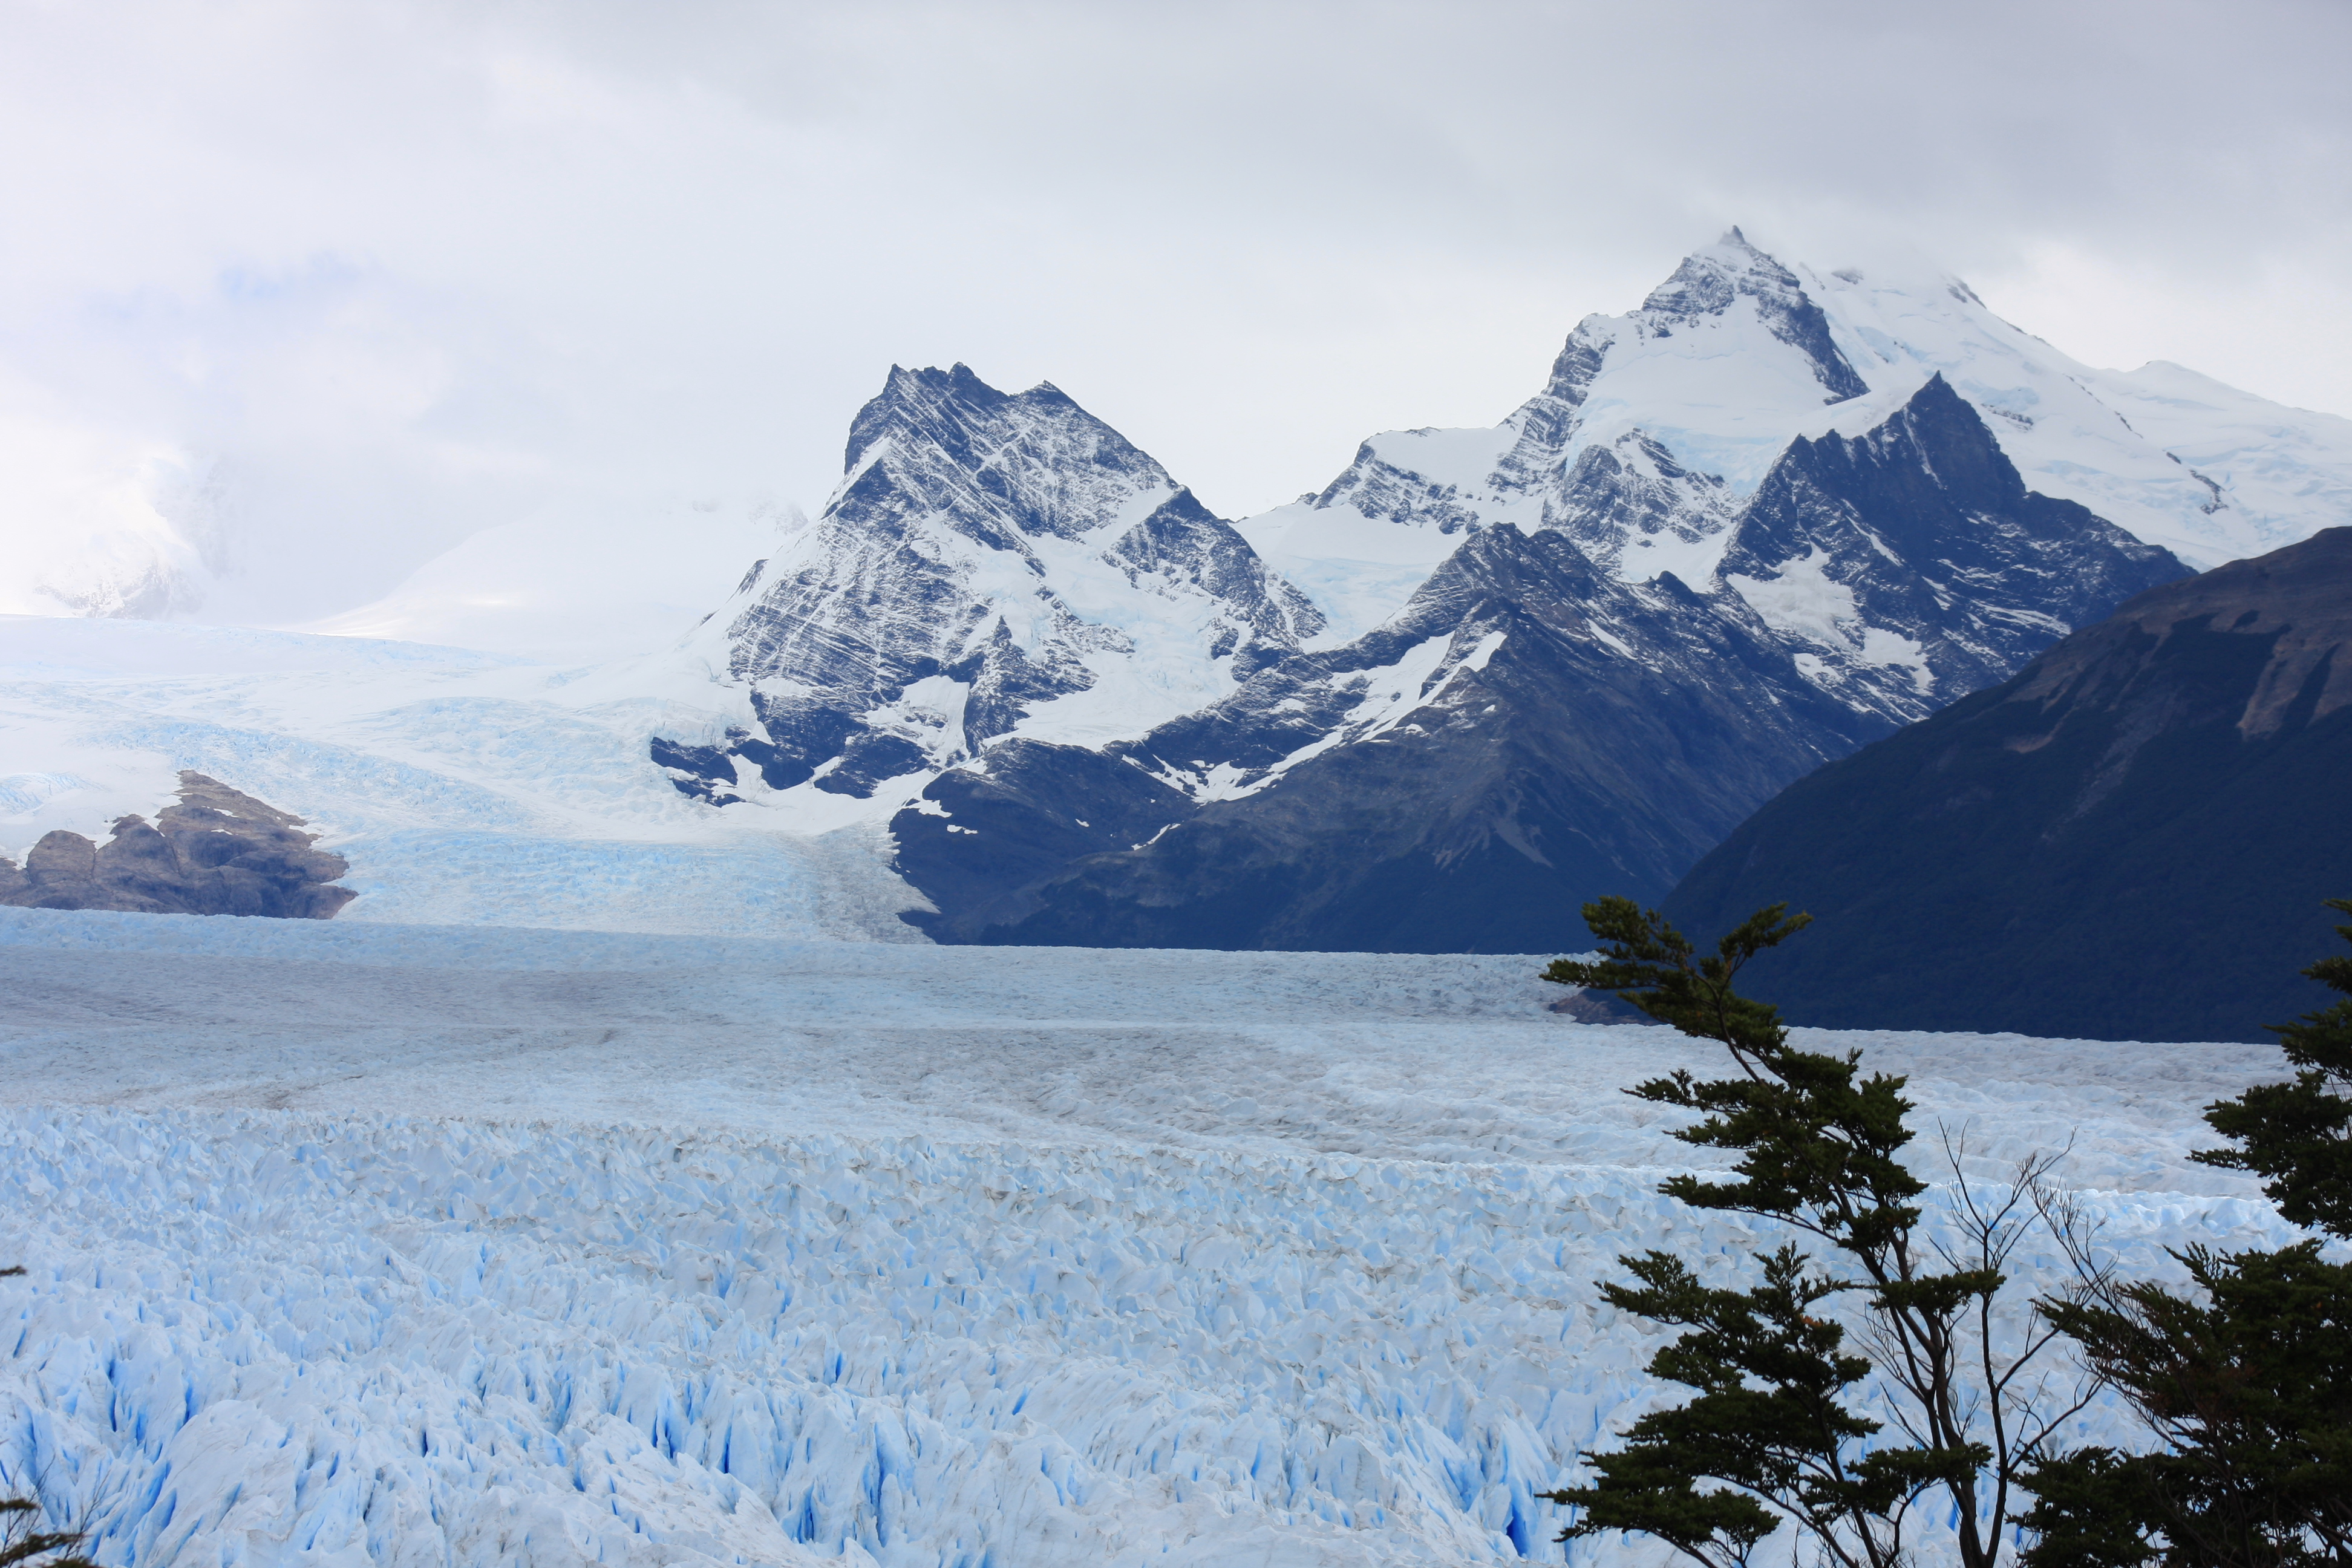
1726	397
1721	393
1161	667
2127	446
354	1244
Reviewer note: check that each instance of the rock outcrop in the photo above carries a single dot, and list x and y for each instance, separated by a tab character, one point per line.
216	852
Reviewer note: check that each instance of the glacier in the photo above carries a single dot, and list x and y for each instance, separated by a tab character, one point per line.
353	1242
463	787
680	1229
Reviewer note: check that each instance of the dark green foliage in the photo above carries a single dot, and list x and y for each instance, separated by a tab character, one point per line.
1768	1422
2089	1510
2245	1383
1819	1147
2299	1134
2248	1387
23	1546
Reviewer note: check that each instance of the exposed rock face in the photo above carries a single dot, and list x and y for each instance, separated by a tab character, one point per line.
1713	282
1713	291
1911	565
217	852
1532	731
1631	489
1433	788
2130	840
1601	1007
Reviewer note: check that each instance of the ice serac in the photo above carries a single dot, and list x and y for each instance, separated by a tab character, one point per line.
2131	840
1532	729
382	1245
988	555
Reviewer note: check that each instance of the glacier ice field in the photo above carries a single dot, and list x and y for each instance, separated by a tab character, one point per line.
364	1242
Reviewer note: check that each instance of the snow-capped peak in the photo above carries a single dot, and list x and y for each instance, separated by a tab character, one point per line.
1711	282
1655	426
992	563
1009	465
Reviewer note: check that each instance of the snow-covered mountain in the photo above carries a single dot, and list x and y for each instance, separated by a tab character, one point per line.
990	562
1532	729
1482	674
1735	355
1766	517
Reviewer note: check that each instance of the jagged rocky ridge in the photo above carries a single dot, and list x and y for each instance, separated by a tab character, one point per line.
2131	840
1653	426
1533	731
1609	481
1910	565
216	852
1528	665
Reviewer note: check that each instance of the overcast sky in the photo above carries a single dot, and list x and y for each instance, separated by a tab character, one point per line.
412	269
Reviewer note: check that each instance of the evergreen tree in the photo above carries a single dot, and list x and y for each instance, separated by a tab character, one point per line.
2299	1134
2246	1382
1770	1437
24	1545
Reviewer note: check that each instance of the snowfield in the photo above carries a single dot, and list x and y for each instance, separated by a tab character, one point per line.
353	1242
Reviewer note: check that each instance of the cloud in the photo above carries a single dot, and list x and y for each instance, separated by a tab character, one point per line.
414	270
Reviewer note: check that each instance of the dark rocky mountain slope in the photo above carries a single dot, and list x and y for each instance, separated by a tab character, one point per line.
216	852
2130	840
1912	564
1528	728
